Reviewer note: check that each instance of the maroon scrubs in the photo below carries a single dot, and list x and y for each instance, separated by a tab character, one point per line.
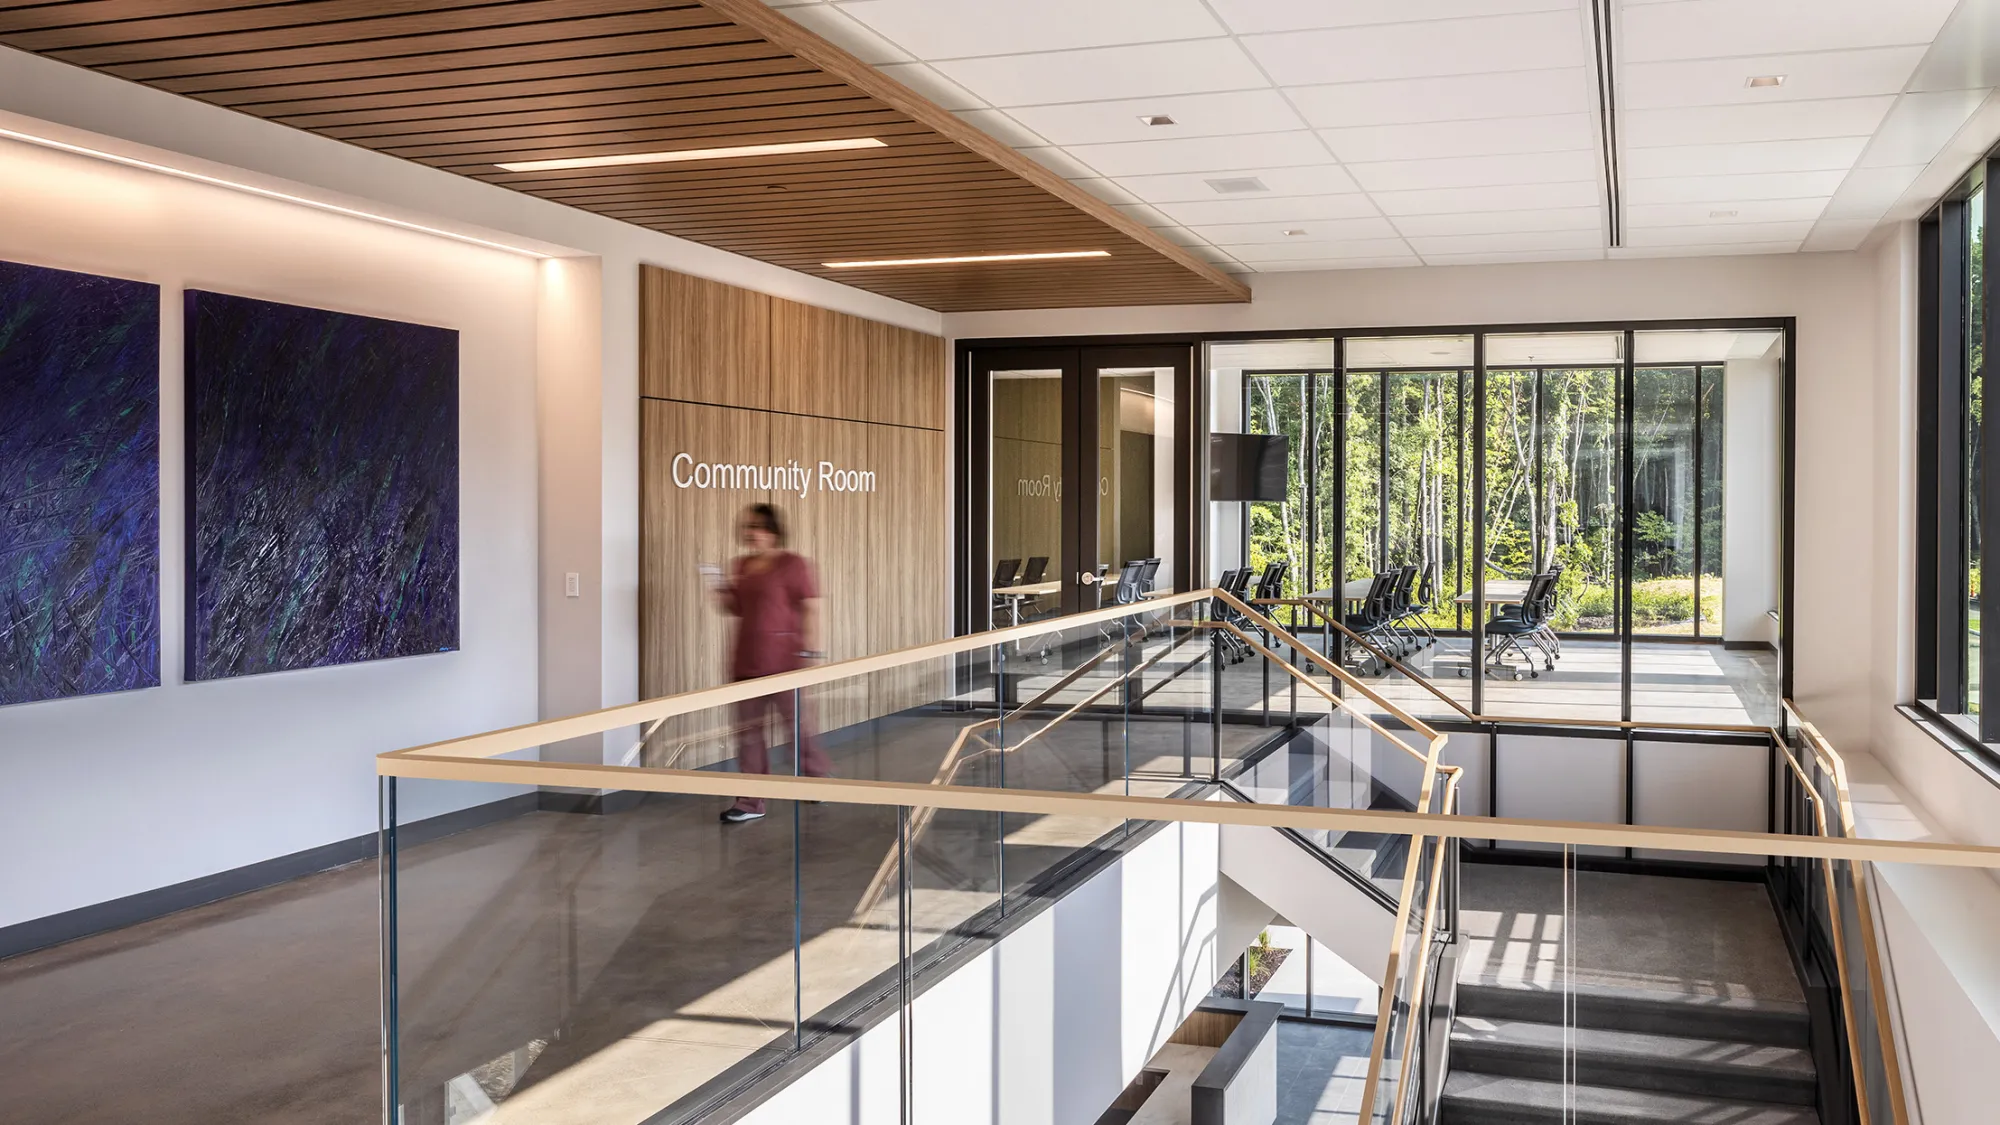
769	605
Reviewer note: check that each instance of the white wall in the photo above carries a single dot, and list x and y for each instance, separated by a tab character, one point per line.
1048	1026
115	794
1832	295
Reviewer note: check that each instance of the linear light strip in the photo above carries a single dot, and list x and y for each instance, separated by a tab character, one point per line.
967	258
267	193
679	156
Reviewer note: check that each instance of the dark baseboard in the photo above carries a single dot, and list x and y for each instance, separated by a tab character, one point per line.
84	921
1766	646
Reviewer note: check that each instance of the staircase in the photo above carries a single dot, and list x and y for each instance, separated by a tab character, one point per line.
1640	1057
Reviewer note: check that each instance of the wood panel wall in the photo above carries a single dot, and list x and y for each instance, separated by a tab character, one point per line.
793	383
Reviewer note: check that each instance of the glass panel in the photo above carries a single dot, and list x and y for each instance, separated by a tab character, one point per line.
1135	458
1513	500
1027	495
1975	259
1426	500
1663	501
1580	482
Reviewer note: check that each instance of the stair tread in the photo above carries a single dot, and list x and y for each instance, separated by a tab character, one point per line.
1685	1051
1662	996
1609	1103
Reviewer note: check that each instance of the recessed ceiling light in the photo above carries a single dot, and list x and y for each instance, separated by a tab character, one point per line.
1722	214
681	155
1295	231
1763	81
1236	185
967	258
1155	119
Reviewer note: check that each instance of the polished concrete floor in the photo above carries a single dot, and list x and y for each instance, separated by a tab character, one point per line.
1321	1071
554	967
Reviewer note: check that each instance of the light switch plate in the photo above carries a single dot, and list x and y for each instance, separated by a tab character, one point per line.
572	585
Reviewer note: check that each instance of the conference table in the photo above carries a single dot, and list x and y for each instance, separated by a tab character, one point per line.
1015	595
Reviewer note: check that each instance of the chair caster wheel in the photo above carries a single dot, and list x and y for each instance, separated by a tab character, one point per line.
1464	674
1518	677
1534	675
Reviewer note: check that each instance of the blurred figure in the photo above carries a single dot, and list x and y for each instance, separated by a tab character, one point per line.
775	599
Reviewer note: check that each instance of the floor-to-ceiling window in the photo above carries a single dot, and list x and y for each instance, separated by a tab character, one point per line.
1592	466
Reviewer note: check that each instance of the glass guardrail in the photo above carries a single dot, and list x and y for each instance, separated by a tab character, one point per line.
702	931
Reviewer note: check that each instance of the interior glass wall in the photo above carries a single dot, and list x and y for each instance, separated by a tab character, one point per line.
1027	493
1638	473
1973	415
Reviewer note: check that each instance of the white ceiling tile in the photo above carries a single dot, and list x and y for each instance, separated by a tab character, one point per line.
928	82
1494	259
1498	222
1919	126
1476	171
1316	231
995	123
1259	253
1555	133
1290	210
1248	17
1107	190
1203	154
1062	163
1195	115
1322	179
1180	236
845	31
1190	67
1509	242
1456	97
1506	197
1839	235
1539	41
1744	211
1716	234
946	29
1816	155
1704	251
1385	262
1710	81
1771	121
1211	255
1706	29
1867	192
1722	190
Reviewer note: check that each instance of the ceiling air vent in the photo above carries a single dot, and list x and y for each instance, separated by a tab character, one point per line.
1237	186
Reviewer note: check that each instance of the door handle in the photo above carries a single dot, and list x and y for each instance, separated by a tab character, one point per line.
1087	578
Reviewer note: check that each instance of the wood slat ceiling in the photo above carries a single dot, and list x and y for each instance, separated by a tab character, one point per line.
465	85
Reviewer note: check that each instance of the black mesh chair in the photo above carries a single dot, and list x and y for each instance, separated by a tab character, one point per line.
1272	583
1513	632
1005	573
1371	621
1038	566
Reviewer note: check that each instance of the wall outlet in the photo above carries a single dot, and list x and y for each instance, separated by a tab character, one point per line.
572	585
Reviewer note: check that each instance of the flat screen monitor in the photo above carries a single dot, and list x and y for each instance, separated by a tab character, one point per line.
1248	466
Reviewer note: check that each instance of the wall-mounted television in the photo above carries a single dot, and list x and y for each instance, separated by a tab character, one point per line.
1248	466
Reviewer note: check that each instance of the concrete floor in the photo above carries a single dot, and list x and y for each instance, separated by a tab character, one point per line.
1321	1071
571	968
1694	937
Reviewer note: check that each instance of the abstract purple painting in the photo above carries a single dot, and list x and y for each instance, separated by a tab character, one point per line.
79	484
322	487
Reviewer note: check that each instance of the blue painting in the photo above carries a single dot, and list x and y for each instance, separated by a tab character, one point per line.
322	487
79	484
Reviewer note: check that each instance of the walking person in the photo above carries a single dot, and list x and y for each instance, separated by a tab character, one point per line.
774	597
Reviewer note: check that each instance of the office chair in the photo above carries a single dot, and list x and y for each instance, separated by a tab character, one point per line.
1272	584
1004	572
1420	608
1147	570
1372	618
1037	567
1506	631
1402	599
1127	590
